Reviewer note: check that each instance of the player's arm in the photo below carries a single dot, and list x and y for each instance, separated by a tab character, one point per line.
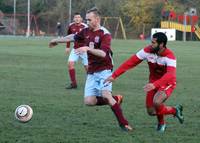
65	39
104	47
128	64
68	43
96	52
168	76
133	61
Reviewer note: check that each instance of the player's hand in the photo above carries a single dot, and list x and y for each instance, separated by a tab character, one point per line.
81	50
52	43
67	50
109	80
148	87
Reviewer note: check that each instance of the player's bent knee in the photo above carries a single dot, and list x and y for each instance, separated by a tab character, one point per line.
89	101
151	112
159	98
71	65
157	103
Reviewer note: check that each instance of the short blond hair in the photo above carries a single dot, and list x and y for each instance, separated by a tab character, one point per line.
95	10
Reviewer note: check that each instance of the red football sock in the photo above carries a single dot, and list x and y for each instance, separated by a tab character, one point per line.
101	101
160	119
72	75
116	99
119	115
104	101
68	45
165	110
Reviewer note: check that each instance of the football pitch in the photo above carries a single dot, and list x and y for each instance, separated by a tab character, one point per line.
33	74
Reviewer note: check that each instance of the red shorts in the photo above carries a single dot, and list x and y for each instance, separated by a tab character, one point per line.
168	89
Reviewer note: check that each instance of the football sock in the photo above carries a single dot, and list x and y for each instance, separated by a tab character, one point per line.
119	115
68	45
165	110
72	75
116	99
101	101
161	119
104	101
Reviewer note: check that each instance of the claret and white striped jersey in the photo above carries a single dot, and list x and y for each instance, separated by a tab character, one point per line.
162	67
99	39
73	29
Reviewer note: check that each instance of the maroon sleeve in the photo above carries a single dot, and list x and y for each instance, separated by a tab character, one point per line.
106	43
79	36
69	30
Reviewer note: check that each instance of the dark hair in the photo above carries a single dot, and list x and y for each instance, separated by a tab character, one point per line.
77	13
95	11
160	38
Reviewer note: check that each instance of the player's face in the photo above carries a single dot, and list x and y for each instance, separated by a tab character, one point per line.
93	21
155	45
77	19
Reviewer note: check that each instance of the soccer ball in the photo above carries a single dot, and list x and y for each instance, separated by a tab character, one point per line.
23	113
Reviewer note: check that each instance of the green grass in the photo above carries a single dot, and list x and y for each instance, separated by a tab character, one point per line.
31	73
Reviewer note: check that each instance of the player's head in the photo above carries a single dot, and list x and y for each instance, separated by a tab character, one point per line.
77	18
93	17
159	40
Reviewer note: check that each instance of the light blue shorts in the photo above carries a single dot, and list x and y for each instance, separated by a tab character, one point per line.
75	57
95	83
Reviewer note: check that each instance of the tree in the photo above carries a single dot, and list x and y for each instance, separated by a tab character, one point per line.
142	13
5	6
138	16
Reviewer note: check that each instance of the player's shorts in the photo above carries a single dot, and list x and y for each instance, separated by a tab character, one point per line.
95	83
168	89
75	57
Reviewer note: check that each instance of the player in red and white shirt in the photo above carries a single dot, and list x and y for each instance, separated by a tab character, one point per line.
162	78
74	28
97	43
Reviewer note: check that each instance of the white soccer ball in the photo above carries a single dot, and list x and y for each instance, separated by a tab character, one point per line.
23	113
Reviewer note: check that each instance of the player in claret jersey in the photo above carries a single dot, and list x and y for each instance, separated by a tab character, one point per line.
162	78
74	28
97	44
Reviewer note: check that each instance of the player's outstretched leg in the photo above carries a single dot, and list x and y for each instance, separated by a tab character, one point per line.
114	104
123	123
179	114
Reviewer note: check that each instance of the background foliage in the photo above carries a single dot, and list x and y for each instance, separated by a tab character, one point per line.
138	16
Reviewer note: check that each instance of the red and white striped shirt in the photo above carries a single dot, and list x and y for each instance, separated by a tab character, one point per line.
162	67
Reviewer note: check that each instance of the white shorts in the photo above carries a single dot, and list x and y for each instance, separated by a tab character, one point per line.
95	83
75	57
